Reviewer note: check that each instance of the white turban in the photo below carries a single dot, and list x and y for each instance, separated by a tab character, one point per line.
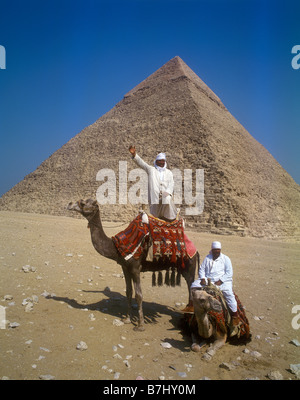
216	245
160	156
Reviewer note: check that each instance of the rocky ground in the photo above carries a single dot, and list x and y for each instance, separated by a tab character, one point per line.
63	304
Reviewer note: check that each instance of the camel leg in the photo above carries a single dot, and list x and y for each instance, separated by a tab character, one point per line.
139	299
217	344
127	276
196	346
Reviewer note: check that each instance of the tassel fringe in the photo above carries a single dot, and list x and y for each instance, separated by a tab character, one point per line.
160	279
171	279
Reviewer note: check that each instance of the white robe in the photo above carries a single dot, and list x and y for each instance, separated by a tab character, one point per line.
219	269
160	190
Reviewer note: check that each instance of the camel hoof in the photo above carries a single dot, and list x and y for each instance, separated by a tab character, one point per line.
139	328
195	347
206	357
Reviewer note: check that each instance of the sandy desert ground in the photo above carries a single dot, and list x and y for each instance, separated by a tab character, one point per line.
72	294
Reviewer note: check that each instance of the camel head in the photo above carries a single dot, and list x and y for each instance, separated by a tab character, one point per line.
205	302
87	208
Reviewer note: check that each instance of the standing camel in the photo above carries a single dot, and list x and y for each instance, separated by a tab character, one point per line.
132	267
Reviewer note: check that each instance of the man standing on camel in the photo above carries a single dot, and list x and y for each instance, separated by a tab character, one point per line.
160	186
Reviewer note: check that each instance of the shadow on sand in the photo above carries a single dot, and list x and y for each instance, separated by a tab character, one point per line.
115	304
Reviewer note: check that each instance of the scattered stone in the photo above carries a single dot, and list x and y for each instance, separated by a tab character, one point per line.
178	305
28	302
28	307
255	354
295	342
81	346
226	366
92	317
28	268
295	369
46	350
275	376
188	367
117	375
117	322
14	325
8	297
166	345
35	298
246	351
47	377
182	374
139	378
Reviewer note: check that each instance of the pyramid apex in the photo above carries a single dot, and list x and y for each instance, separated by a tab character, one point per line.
172	70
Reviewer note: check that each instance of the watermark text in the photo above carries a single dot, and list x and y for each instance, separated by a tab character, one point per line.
296	58
132	187
296	318
2	57
2	317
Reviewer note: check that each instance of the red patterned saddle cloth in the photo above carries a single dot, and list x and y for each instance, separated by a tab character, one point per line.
222	319
167	238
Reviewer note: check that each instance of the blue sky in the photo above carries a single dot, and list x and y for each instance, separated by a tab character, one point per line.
69	62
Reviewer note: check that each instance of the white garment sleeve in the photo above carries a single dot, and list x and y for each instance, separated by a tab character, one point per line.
228	270
170	184
141	163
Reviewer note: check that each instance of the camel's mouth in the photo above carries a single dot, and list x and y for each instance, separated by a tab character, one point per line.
74	206
83	206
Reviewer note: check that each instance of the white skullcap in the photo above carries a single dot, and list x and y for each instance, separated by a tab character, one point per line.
160	156
216	245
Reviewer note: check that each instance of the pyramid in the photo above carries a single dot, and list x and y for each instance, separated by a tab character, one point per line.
246	191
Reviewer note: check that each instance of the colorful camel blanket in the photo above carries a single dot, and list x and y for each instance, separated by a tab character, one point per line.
132	240
222	319
168	239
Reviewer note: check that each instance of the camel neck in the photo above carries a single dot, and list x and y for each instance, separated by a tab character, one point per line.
102	243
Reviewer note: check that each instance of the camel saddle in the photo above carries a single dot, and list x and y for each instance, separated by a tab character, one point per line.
222	319
162	239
